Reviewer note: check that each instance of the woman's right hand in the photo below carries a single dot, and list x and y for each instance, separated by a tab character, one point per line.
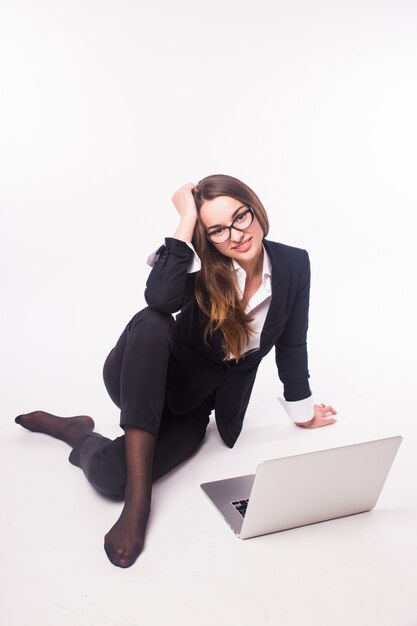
184	202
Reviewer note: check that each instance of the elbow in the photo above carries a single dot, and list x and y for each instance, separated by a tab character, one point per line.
163	305
163	308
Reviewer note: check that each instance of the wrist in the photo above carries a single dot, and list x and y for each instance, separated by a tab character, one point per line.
189	219
305	424
185	228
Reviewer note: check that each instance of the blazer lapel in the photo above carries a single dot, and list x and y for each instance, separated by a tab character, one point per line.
280	284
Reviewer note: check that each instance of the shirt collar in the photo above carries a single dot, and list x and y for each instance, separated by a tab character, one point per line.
266	273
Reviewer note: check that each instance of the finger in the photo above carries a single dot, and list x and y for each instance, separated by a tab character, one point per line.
327	409
326	421
322	406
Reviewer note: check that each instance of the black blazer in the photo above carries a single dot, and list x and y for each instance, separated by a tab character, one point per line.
198	370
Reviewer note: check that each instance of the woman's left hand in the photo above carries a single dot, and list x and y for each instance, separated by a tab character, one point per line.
321	411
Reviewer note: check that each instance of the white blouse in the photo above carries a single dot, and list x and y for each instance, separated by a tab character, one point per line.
258	305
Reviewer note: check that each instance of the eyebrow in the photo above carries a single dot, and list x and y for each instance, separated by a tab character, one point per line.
233	214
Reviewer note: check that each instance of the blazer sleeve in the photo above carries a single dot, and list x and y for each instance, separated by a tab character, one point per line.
168	285
291	346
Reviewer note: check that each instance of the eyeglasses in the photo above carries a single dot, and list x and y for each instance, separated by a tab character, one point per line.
221	234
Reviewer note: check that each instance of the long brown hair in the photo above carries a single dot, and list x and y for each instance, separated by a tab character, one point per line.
215	287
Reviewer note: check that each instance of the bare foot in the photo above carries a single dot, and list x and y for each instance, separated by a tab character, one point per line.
68	429
124	541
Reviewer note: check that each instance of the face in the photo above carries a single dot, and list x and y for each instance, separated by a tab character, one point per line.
244	245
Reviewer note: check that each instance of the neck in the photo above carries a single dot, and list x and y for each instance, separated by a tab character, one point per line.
254	266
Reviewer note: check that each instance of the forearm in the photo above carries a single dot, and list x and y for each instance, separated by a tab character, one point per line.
291	347
185	229
183	201
166	284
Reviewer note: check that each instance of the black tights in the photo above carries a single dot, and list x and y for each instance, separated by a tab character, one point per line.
135	375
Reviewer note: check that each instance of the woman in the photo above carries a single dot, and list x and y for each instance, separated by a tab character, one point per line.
167	375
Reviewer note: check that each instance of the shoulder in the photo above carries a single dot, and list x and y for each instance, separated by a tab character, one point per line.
286	258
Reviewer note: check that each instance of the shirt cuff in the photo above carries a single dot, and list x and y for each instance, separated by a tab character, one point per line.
194	265
299	410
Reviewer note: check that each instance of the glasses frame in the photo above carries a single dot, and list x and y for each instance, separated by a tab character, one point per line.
250	210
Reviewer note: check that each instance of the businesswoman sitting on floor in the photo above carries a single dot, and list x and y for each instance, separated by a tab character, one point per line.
239	295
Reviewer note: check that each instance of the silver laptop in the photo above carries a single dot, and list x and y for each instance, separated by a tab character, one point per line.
305	488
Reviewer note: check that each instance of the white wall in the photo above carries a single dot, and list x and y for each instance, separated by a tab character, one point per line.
108	106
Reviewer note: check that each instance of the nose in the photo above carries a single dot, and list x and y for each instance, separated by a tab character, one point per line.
236	235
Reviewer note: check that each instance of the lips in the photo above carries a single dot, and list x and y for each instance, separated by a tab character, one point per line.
244	246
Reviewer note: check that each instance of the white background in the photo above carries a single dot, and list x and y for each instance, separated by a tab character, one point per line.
106	108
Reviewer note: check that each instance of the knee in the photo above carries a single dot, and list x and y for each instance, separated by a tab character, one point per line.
153	326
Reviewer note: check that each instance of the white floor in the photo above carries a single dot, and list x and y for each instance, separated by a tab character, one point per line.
358	570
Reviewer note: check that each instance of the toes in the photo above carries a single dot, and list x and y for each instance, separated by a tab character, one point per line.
120	558
22	419
124	561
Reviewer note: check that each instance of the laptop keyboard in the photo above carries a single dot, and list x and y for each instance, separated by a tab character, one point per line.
241	506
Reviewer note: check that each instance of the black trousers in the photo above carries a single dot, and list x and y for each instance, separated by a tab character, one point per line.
135	376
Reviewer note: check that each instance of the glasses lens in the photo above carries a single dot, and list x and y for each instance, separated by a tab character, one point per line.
220	235
243	220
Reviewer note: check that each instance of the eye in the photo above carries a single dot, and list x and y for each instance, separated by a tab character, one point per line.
241	216
218	231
